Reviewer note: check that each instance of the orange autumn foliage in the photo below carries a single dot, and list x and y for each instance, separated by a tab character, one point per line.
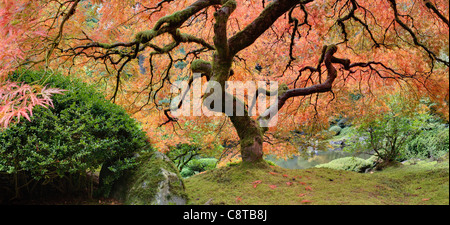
393	46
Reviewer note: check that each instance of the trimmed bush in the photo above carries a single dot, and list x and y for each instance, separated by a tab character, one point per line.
202	164
349	163
195	166
335	130
66	142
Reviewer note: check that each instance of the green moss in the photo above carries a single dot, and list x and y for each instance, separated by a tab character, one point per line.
198	65
144	174
103	45
332	48
242	185
282	89
142	184
145	36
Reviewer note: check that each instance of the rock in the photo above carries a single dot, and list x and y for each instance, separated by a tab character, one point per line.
154	181
342	123
338	145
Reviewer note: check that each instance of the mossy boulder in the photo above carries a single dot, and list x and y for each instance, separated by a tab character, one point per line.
350	164
154	181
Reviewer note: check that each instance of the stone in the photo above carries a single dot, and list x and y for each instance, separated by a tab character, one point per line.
342	123
154	181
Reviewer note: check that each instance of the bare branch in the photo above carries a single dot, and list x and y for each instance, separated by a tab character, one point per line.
431	54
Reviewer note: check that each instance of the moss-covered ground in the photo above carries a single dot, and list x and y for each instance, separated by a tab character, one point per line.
424	183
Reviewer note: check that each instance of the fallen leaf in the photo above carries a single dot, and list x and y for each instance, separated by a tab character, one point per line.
238	199
301	195
425	199
302	183
306	201
273	173
289	183
256	182
308	188
284	175
273	186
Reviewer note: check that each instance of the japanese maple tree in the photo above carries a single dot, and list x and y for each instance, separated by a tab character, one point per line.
319	51
19	30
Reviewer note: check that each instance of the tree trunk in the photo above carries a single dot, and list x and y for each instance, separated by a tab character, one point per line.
251	138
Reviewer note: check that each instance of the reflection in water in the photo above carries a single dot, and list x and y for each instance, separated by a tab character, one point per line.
304	162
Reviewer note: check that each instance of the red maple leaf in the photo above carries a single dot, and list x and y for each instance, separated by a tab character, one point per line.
256	182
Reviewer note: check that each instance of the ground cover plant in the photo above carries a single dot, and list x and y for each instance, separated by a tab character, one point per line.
424	183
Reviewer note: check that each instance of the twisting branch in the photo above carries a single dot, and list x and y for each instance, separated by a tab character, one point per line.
351	15
220	28
431	54
430	5
296	25
265	117
126	51
57	39
264	21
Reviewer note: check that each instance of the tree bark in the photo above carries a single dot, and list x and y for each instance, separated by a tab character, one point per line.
251	138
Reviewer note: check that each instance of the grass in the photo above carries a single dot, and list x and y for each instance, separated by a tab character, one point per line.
424	183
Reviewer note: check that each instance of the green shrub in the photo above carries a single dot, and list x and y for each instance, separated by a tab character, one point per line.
406	131
183	153
432	143
202	164
76	137
335	129
270	163
387	134
198	165
186	172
